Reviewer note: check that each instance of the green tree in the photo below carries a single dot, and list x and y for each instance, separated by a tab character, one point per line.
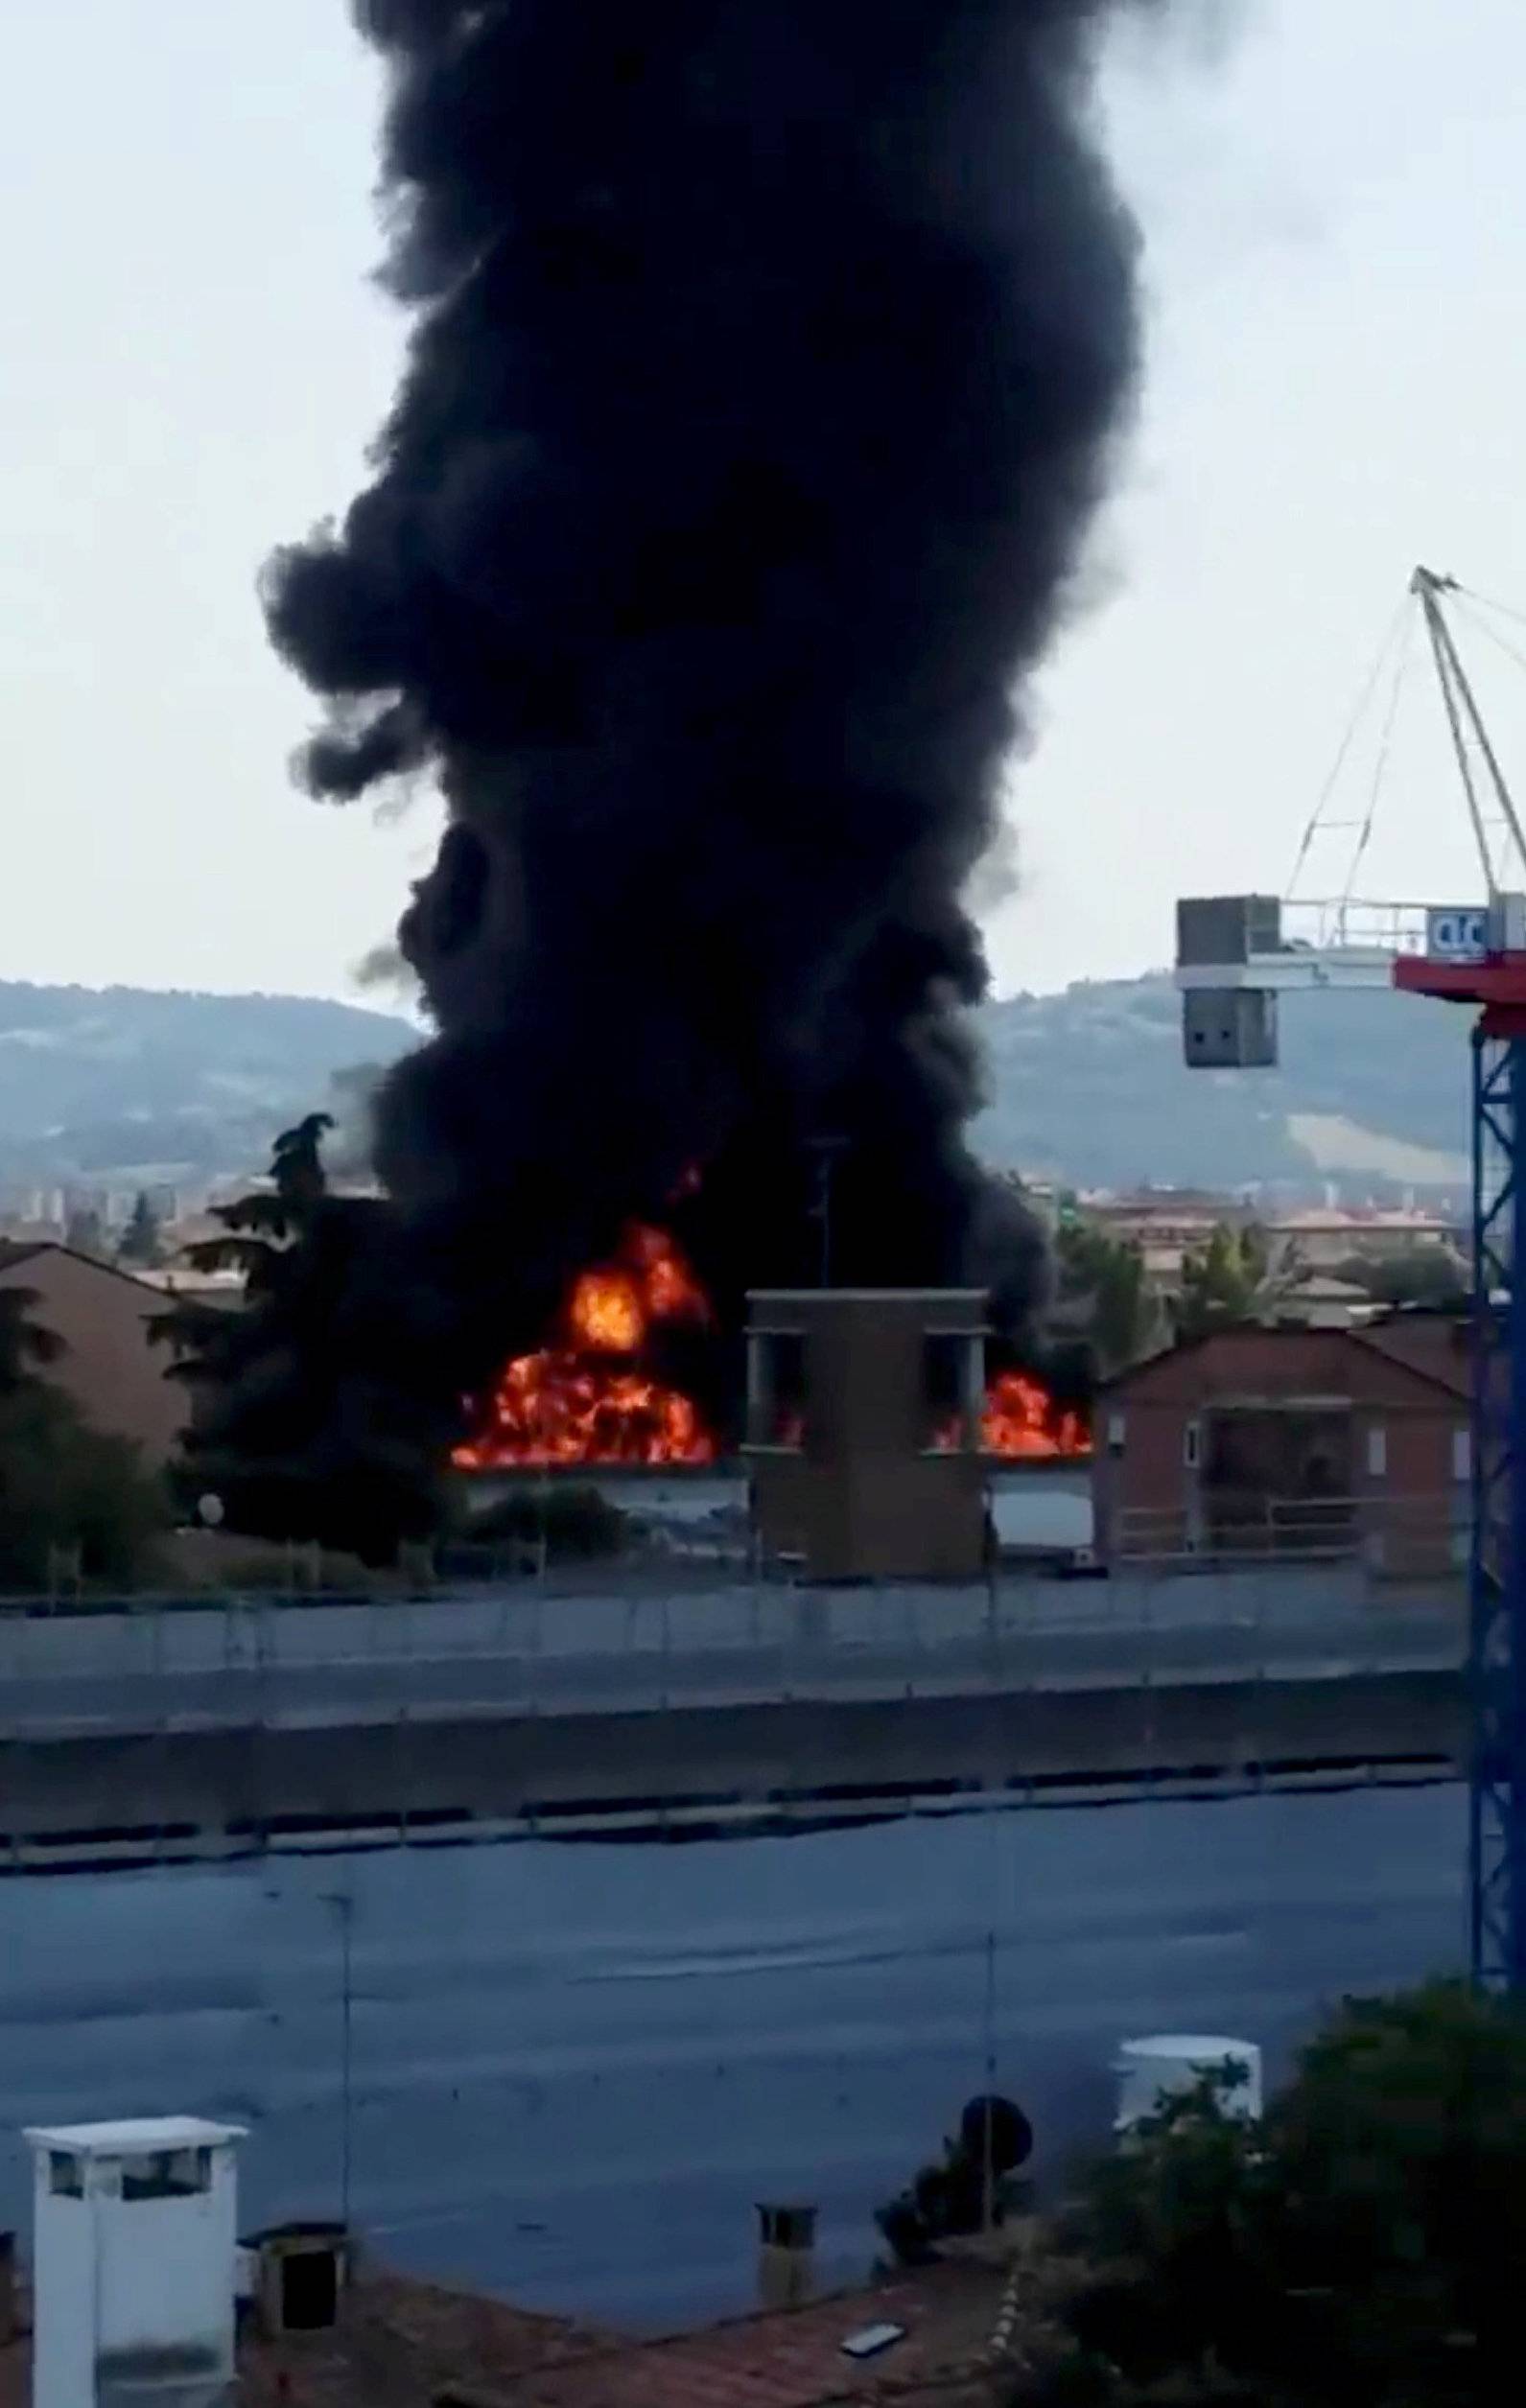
140	1243
1413	1274
25	1344
1230	1279
1357	2249
304	1421
1107	1274
84	1232
63	1485
66	1488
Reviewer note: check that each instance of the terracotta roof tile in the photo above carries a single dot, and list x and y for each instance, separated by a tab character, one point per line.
794	2358
410	2341
416	2344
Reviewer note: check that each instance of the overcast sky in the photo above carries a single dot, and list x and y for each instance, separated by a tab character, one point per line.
1335	219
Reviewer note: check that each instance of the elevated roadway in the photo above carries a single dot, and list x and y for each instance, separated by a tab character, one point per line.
702	1698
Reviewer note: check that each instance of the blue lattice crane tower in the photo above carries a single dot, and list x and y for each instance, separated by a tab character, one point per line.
1235	954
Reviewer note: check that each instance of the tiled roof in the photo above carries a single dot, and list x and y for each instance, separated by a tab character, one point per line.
405	2344
794	2358
1434	1346
401	2345
411	2342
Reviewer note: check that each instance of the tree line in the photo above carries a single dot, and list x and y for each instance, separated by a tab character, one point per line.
1233	1276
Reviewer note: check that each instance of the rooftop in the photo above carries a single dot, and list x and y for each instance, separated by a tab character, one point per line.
795	2357
134	2132
407	2344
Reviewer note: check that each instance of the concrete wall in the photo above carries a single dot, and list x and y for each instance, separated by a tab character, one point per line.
206	1789
206	1729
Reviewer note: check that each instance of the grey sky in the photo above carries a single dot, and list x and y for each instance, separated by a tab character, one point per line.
1335	217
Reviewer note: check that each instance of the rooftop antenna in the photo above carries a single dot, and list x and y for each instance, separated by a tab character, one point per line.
828	1151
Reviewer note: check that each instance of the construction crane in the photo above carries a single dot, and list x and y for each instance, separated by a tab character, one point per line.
1236	955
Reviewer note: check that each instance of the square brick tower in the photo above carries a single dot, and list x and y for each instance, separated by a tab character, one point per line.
863	1416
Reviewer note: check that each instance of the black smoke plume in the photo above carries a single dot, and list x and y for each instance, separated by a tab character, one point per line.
765	361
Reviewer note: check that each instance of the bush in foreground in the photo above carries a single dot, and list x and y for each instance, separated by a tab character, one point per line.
1358	2249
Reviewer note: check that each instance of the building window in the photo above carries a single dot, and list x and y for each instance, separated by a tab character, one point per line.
1192	1445
1376	1452
65	2175
1463	1453
1117	1432
776	1389
953	1389
168	2174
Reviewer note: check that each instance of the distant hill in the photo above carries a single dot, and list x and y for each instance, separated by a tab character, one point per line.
1089	1085
96	1082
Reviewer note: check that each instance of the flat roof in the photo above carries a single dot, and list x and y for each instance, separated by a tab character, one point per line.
134	2132
867	1296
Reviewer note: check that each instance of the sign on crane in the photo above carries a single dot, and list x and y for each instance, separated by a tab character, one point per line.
1236	955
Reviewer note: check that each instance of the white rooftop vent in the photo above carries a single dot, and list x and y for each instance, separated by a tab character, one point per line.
1165	2064
133	2263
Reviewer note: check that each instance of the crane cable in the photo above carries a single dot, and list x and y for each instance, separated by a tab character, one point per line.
1384	746
1507	823
1401	621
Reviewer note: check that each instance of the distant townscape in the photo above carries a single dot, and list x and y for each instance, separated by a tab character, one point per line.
107	1095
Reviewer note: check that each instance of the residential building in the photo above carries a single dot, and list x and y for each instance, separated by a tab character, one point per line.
114	1374
1329	1238
1292	1439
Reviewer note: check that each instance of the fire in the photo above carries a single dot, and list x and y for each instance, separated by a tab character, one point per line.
586	1399
605	1313
1021	1417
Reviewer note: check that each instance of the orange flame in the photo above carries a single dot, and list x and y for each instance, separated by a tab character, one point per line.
570	1403
1021	1417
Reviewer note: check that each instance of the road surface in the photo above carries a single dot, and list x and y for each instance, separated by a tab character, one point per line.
576	2068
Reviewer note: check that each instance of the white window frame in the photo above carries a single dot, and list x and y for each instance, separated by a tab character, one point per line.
1378	1450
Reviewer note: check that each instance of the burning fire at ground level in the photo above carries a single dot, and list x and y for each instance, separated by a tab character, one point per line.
588	1399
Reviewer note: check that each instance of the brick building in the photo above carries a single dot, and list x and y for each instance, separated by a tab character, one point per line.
1292	1440
108	1368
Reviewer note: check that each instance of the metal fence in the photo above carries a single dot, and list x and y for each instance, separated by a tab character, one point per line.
534	1651
1392	1538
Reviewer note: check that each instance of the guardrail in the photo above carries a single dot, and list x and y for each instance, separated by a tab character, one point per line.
1402	1537
518	1653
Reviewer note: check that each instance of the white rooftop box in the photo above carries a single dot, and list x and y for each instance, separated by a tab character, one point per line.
134	2256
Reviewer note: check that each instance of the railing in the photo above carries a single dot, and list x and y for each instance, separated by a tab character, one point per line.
1350	926
1406	1537
534	1652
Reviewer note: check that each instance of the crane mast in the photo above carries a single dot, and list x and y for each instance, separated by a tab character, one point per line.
1235	954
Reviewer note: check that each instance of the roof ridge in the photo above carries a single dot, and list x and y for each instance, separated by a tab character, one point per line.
1370	1336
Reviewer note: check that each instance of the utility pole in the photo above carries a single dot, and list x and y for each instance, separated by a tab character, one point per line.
826	1151
343	1903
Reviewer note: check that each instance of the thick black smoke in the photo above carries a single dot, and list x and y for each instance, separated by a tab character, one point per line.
766	360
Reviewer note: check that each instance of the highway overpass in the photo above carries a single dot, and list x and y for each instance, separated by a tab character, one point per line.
696	1700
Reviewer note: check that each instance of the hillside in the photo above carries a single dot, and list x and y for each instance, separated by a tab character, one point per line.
1088	1085
105	1082
1091	1085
